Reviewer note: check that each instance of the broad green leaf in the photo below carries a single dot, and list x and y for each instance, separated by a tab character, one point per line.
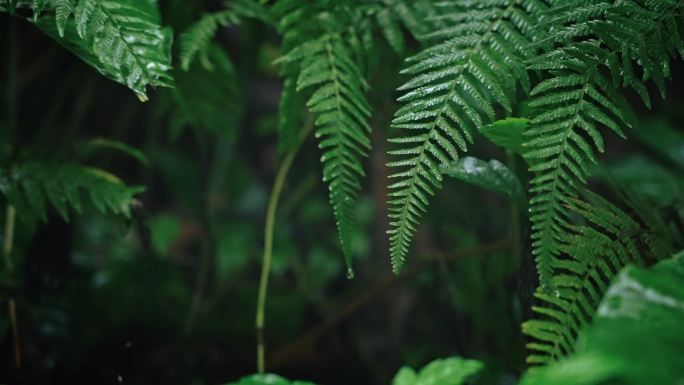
636	336
446	371
492	175
507	133
267	379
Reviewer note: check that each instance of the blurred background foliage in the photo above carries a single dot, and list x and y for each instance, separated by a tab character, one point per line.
169	295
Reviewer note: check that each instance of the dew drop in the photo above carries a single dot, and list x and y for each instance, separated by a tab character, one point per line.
350	273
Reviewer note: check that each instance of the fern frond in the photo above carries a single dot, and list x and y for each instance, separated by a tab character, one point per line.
561	140
33	186
594	38
342	122
321	57
197	38
457	85
593	254
195	41
122	39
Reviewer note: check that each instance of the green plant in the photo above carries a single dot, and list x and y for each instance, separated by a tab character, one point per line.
540	80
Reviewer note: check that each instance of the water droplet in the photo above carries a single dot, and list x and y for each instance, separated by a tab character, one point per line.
350	273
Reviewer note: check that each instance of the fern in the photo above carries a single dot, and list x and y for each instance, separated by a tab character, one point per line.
122	39
600	44
326	64
31	187
477	65
593	254
195	41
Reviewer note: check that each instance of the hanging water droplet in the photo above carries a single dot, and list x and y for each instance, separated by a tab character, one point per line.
350	273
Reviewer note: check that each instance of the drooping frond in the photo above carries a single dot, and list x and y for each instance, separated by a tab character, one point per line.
475	67
342	115
195	41
592	254
323	55
31	187
574	105
122	39
595	46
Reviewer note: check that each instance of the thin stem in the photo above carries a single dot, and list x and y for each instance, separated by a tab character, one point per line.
12	306
268	246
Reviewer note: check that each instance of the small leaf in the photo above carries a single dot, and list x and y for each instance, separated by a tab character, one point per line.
507	133
267	379
492	175
446	371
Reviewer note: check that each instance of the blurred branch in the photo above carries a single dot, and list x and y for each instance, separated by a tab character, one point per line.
306	340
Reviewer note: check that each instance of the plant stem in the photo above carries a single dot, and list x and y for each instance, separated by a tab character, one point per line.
268	245
12	306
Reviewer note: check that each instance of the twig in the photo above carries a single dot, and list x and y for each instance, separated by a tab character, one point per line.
389	280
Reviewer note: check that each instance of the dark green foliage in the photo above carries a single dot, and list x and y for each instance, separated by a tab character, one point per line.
31	187
541	80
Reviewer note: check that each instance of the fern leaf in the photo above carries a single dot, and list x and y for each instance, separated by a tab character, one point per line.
321	57
593	254
122	39
342	122
595	38
457	84
33	186
195	41
63	11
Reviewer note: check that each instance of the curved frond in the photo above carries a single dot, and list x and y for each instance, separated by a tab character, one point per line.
325	66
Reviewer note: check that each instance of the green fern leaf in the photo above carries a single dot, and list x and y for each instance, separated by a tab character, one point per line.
31	187
321	56
592	254
477	64
195	41
594	38
122	39
63	11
